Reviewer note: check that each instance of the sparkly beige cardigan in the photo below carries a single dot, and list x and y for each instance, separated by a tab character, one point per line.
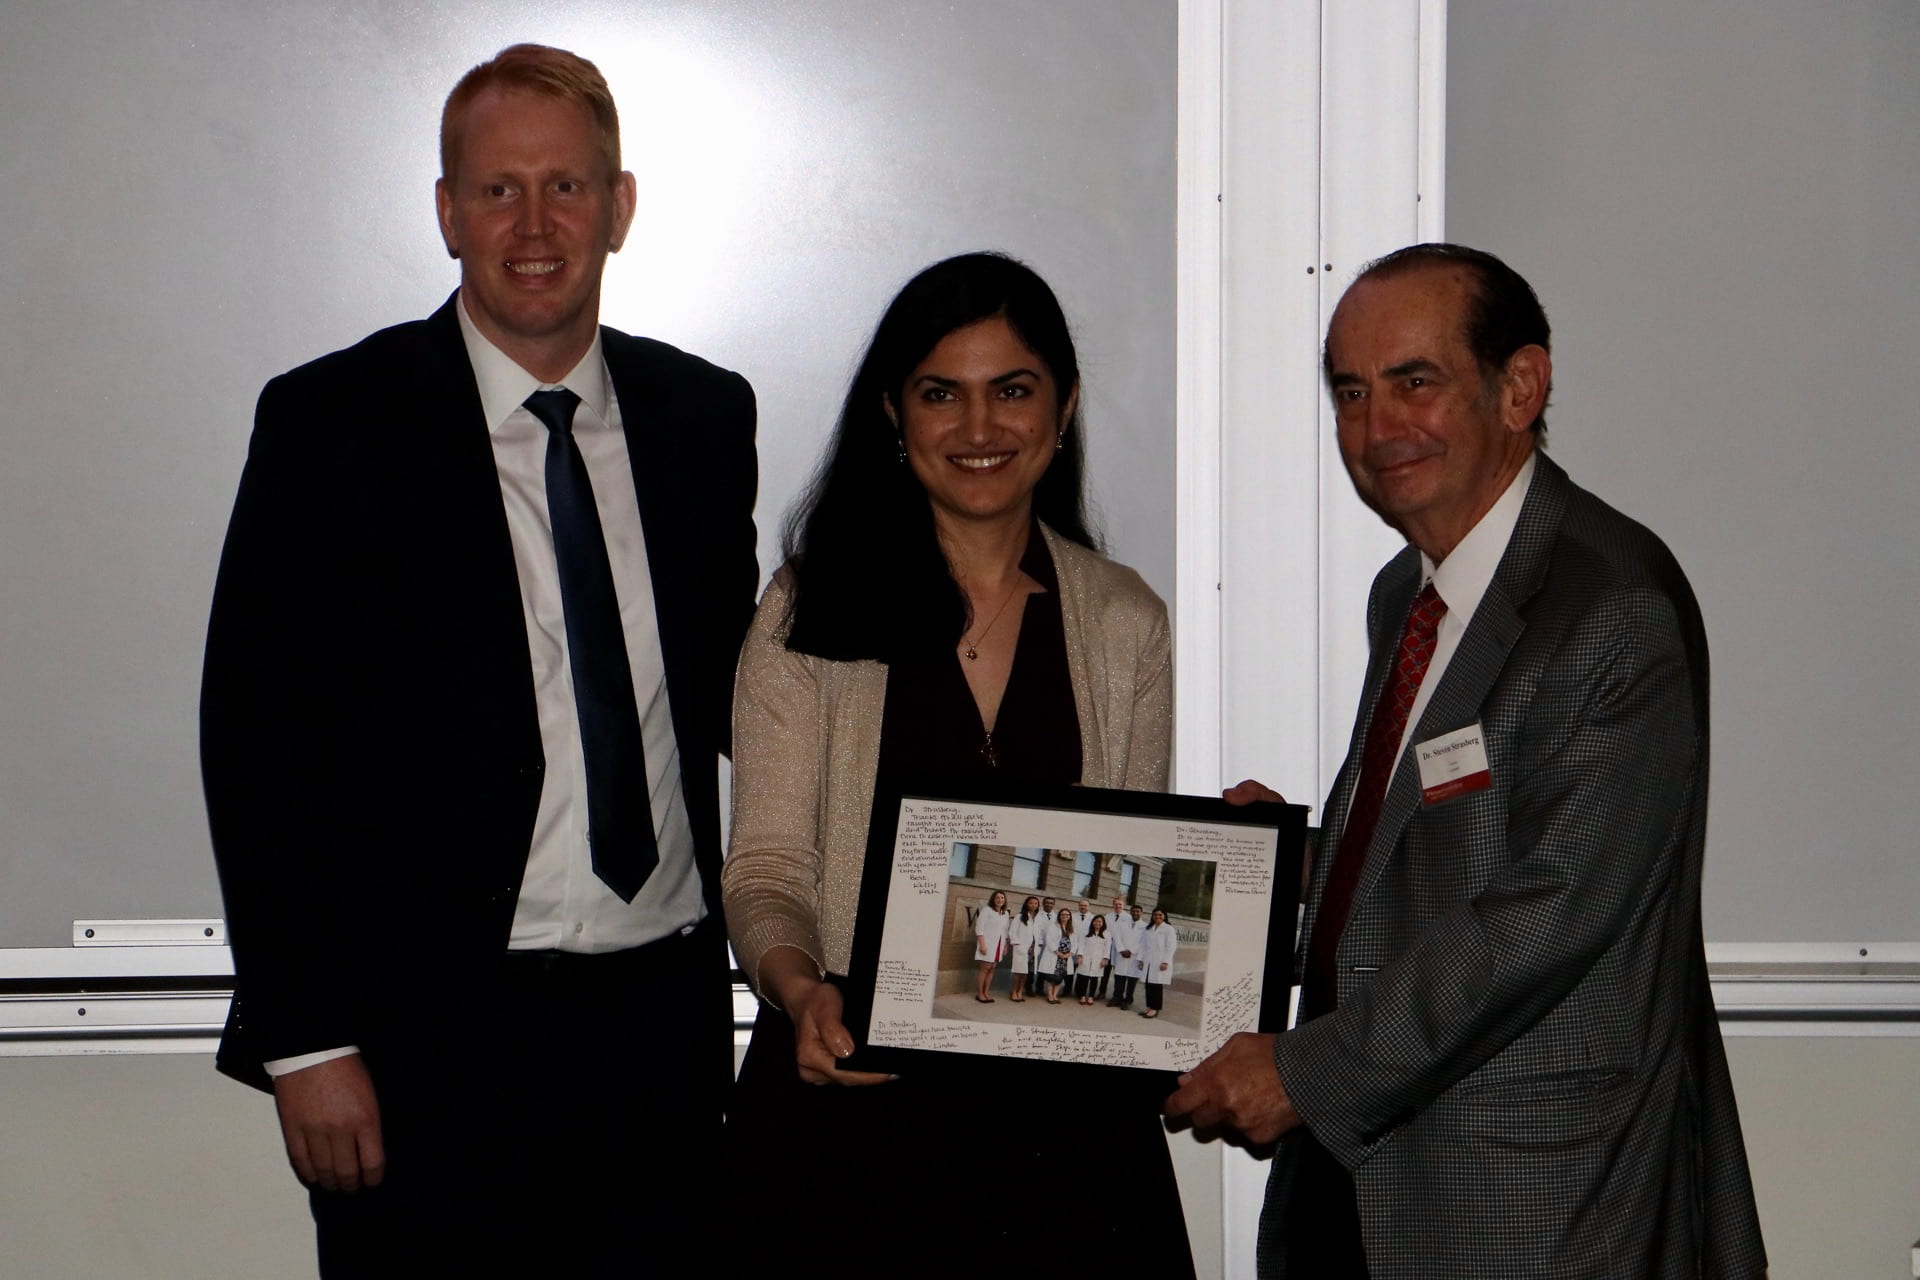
806	747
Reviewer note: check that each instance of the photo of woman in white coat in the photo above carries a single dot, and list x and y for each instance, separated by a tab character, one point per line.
1158	942
1022	932
1092	967
990	941
1054	955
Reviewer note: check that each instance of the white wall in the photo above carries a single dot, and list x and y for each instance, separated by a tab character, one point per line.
1717	203
144	1167
151	1167
1833	1136
202	193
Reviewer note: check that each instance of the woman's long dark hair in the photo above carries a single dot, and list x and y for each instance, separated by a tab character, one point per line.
870	579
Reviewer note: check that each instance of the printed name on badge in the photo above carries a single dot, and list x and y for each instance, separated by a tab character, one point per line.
1453	764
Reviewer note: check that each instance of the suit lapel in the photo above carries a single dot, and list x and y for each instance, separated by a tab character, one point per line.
1392	595
656	415
1393	592
451	426
652	415
457	491
1476	664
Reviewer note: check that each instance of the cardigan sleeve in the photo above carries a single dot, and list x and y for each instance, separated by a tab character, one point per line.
1120	649
770	884
1152	747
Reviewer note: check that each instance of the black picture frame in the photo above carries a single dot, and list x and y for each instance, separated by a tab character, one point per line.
1271	912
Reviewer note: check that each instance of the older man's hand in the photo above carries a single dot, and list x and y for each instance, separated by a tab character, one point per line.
1248	791
1237	1088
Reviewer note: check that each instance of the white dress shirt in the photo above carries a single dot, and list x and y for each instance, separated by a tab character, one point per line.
563	904
1462	580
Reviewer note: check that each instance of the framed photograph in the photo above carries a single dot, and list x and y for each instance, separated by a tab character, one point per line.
989	941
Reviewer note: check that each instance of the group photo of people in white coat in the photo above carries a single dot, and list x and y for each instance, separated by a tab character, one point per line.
1047	955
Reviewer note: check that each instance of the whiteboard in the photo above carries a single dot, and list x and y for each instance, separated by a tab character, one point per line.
203	193
1717	203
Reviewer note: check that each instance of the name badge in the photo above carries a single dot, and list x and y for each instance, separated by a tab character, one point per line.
1453	764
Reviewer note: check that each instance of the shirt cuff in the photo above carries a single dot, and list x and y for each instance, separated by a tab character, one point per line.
287	1066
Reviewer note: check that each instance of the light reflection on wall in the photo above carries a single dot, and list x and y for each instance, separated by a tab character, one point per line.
202	194
702	138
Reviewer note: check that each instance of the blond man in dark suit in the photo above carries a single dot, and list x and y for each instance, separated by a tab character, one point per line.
467	681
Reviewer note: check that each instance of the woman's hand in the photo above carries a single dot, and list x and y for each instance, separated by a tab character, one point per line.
820	1039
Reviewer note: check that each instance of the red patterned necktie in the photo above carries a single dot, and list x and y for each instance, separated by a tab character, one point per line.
1381	754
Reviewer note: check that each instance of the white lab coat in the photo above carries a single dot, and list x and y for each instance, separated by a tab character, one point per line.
990	934
1157	945
1020	938
1093	953
1044	957
1126	937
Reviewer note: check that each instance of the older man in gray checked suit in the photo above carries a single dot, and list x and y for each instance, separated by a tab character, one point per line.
1507	1061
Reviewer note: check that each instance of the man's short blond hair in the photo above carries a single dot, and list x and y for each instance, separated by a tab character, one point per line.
533	68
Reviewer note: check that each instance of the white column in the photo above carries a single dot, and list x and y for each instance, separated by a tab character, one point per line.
1311	138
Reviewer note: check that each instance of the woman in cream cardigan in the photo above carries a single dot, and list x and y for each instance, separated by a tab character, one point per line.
941	612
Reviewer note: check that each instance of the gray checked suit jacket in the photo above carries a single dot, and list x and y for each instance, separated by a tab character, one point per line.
1524	1071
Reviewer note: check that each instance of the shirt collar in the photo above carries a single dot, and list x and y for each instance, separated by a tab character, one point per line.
1464	576
505	386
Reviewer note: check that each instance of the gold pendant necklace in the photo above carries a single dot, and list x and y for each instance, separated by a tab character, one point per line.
973	646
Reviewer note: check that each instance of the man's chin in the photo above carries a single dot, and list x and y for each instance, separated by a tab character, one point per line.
1390	506
537	323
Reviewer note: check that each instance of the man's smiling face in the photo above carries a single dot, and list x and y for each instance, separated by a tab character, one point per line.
1430	442
532	211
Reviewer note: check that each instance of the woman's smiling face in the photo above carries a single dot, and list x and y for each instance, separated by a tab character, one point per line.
980	417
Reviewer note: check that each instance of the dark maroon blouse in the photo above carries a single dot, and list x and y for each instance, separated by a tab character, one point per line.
931	727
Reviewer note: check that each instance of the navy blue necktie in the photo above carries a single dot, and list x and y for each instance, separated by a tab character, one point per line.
619	814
